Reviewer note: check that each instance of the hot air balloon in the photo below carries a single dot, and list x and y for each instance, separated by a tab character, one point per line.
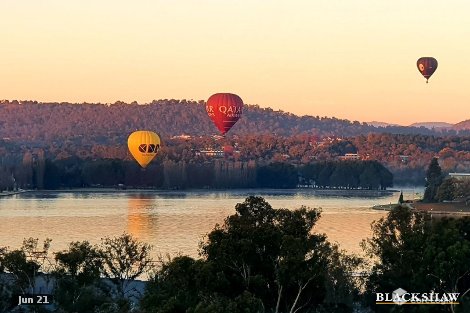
144	146
224	109
427	66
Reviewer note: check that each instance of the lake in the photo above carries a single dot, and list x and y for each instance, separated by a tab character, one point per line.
173	221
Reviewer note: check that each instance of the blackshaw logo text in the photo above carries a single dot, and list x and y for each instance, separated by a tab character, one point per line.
401	296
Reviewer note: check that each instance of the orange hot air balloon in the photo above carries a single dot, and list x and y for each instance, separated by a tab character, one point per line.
224	109
144	146
427	66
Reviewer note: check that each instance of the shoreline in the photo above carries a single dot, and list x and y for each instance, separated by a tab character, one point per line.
326	192
443	208
449	208
12	193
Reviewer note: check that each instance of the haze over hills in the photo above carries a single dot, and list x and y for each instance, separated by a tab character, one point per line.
431	125
30	121
381	124
428	125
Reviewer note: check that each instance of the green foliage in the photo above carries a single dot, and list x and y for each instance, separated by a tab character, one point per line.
74	172
16	263
19	269
391	235
176	286
200	175
462	190
342	147
244	303
79	288
447	191
25	263
277	175
76	276
51	175
8	287
103	172
81	261
434	179
72	296
418	254
7	290
124	259
260	260
348	174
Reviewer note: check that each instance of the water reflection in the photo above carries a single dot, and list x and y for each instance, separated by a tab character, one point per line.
141	223
173	222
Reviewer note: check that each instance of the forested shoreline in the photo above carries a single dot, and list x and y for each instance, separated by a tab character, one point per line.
218	174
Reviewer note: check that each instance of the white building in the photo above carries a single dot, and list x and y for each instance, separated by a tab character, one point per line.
460	176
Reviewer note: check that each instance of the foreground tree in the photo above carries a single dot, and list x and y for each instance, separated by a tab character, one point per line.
447	191
19	270
79	287
124	259
462	190
418	254
260	260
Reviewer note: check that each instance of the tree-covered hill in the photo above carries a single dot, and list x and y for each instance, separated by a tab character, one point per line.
464	125
60	131
33	122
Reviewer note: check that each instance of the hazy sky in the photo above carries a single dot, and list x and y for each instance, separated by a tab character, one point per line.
344	58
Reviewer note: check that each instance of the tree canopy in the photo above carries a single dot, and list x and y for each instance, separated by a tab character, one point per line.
434	179
259	260
419	254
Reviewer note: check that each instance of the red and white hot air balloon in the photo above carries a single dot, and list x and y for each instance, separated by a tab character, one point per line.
224	109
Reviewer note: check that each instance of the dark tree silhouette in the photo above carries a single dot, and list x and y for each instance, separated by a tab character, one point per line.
434	179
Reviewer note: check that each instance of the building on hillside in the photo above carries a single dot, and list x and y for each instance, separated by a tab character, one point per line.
404	158
211	153
460	176
183	136
350	156
218	137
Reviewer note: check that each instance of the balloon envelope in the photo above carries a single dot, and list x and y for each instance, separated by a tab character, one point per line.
224	109
144	146
427	66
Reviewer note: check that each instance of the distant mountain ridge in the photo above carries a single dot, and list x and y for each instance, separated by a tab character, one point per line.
464	125
381	124
431	125
33	122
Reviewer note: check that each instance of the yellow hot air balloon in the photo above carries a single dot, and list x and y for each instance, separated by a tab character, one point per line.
144	146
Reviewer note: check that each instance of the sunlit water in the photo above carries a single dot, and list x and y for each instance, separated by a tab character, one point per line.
172	222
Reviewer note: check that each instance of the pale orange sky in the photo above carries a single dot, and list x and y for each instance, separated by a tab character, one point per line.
342	58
